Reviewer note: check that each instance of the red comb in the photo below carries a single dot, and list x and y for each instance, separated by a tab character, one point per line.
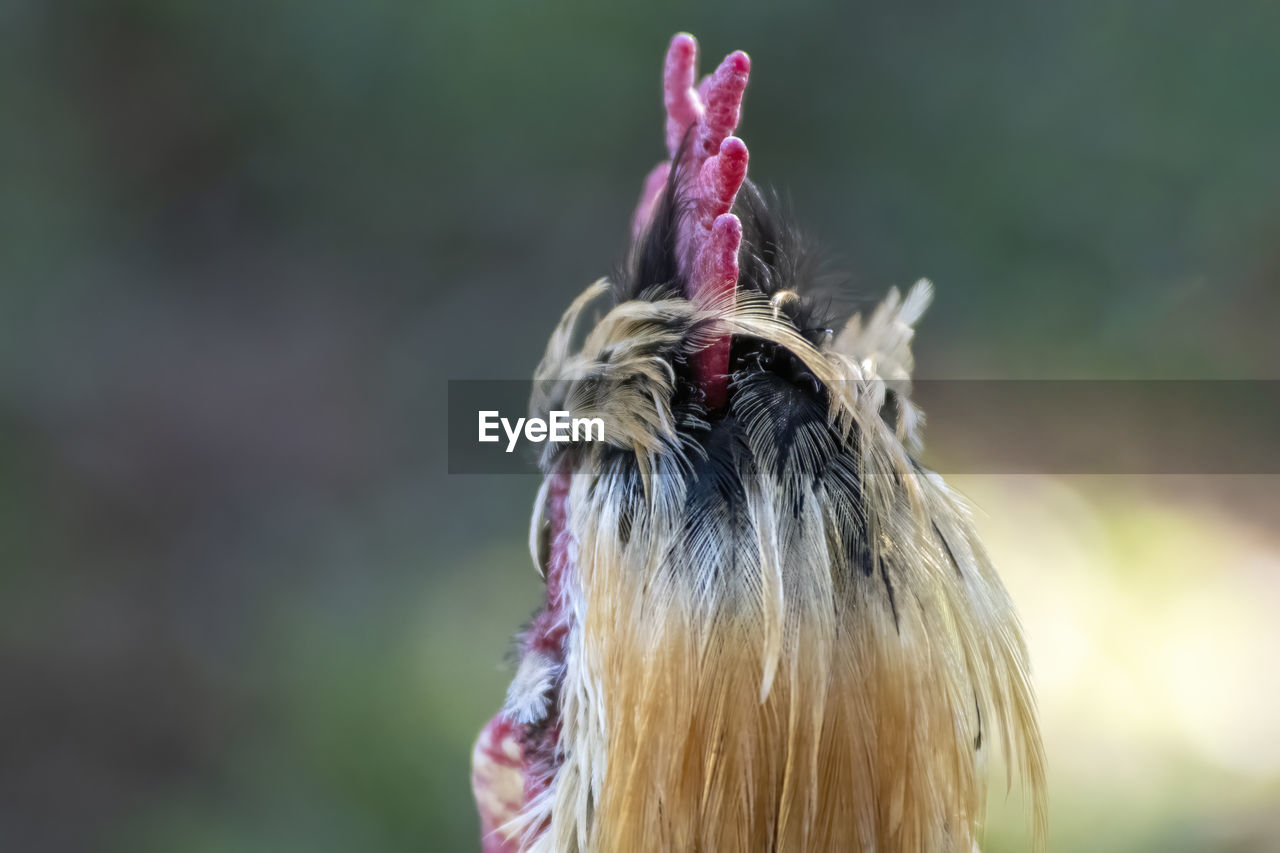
711	171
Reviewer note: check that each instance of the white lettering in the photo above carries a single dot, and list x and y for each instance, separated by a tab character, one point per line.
587	424
486	424
512	434
559	426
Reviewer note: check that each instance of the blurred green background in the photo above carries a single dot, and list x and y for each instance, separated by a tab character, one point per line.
243	245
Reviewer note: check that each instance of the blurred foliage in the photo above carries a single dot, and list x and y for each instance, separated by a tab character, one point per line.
243	245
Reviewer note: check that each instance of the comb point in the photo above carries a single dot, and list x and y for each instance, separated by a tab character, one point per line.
700	123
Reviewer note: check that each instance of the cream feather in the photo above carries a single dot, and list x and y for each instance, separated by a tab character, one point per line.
732	682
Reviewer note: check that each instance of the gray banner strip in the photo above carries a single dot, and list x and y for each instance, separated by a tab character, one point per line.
1147	427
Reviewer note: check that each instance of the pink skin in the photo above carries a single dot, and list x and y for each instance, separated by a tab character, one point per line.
711	173
723	101
537	758
684	106
653	184
717	276
498	732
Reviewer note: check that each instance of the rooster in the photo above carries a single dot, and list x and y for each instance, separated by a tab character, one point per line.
766	626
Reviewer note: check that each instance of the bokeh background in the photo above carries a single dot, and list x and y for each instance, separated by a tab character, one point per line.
244	244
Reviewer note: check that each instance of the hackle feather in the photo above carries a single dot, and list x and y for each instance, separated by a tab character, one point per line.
768	628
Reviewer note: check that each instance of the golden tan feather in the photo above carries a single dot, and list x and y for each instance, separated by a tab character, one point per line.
790	702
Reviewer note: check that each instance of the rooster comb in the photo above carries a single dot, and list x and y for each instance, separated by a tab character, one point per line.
707	167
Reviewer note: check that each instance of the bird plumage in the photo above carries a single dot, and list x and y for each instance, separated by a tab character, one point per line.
767	627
